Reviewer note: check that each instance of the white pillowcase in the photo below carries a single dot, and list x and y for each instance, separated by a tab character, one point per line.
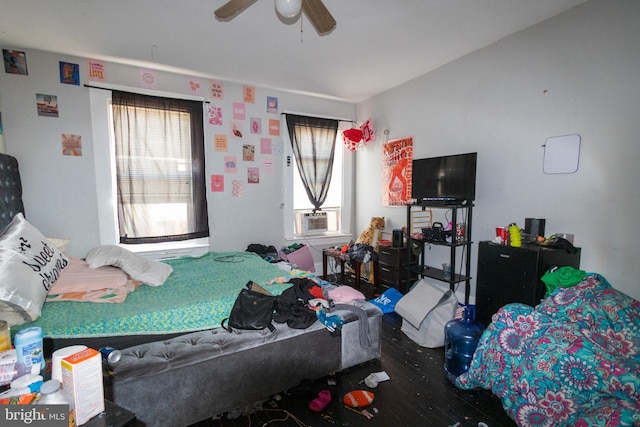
153	273
29	265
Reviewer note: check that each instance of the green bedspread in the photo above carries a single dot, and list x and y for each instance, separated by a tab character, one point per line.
198	295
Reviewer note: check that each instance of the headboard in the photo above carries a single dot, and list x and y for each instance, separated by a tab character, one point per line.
10	190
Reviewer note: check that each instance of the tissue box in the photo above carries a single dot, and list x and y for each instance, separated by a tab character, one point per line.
82	383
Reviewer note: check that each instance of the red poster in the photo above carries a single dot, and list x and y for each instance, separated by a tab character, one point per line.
396	172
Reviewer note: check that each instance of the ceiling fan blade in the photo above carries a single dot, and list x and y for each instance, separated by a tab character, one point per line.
319	16
232	8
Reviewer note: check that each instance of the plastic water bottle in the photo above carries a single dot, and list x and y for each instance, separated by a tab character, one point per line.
461	338
51	393
514	235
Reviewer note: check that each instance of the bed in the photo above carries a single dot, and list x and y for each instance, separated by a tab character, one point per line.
197	295
574	359
178	365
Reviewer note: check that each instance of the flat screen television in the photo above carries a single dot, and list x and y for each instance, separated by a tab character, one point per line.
445	179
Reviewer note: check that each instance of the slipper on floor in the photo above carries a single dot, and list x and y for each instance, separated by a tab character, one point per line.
320	402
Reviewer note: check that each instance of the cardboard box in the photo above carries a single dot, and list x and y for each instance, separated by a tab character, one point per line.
82	383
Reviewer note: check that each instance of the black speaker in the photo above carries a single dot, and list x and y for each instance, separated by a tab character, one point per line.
398	239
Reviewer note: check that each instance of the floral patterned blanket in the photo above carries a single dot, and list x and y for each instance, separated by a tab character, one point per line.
573	360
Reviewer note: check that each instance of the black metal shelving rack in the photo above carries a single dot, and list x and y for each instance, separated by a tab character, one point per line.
422	269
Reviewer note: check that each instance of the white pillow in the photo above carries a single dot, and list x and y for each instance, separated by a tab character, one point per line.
146	271
29	265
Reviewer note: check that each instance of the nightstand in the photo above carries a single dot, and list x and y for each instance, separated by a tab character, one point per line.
392	263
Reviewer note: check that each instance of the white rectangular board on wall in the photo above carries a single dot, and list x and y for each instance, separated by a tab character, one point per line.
561	154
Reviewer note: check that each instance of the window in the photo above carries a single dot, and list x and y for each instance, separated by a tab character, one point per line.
159	168
304	209
334	218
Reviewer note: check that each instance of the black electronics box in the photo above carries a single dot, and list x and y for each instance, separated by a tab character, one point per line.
398	239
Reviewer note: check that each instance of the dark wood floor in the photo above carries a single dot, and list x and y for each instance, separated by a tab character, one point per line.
418	394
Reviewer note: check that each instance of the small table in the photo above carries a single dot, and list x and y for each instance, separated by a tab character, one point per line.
339	256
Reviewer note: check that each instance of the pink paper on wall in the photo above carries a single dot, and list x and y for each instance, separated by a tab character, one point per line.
71	145
237	189
265	145
195	87
274	127
97	71
147	78
230	164
216	89
215	115
256	125
249	94
238	111
253	175
217	183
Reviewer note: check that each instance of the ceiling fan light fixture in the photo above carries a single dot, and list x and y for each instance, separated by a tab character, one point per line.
288	8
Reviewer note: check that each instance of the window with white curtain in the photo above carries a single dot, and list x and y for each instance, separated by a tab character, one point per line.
168	217
159	164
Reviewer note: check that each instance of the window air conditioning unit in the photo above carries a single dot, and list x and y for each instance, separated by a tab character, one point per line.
314	222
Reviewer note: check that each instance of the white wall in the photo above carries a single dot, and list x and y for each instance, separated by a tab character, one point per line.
60	191
576	73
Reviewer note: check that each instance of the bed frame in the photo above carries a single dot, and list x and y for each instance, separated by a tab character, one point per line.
187	379
184	379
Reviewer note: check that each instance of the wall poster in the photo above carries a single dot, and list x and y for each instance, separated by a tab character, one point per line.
397	156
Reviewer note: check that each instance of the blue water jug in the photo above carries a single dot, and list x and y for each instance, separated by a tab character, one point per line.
461	338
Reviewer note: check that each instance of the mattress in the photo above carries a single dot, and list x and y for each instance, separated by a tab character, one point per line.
198	295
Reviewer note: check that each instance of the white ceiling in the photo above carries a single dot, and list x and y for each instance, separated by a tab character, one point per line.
377	44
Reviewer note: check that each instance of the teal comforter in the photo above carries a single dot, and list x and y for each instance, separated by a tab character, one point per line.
574	360
197	295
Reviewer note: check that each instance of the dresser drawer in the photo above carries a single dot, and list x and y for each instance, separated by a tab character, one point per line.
392	256
393	274
397	281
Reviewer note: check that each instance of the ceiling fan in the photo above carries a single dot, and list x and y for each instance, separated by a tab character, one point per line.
315	10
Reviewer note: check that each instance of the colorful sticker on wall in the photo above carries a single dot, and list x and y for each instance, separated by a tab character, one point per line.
249	94
396	172
216	89
194	86
236	129
215	115
220	143
272	104
237	188
97	71
238	111
267	164
47	105
274	127
71	145
248	153
69	73
0	123
217	183
256	125
15	62
265	145
253	175
147	78
230	164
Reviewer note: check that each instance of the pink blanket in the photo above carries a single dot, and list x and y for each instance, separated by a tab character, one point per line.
79	282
